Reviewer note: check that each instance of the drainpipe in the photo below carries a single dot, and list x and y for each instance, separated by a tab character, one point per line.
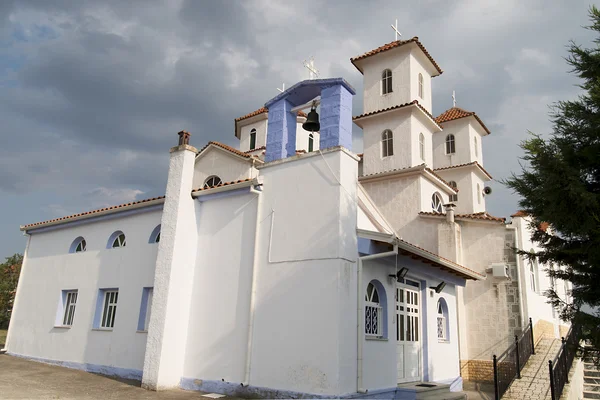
253	287
522	289
360	330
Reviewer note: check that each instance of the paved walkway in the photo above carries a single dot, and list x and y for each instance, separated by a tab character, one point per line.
24	379
535	380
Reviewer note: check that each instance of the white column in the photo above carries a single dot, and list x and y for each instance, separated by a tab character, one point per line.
175	262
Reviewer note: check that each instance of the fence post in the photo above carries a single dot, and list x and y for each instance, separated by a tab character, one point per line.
531	330
496	393
565	357
518	360
551	379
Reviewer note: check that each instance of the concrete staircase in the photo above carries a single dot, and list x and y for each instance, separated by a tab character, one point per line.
427	391
535	379
591	381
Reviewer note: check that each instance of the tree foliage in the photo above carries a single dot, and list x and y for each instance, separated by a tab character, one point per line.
560	184
9	277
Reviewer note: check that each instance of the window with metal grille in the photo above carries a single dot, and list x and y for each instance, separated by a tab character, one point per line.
109	310
450	145
373	312
453	197
436	203
212	181
387	143
78	246
252	139
386	82
69	311
442	320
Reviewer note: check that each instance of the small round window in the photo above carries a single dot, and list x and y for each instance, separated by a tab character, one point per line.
212	181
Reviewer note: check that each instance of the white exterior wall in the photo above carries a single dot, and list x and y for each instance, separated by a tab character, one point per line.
396	60
50	268
477	197
439	362
306	287
463	143
427	189
475	131
417	58
220	302
225	165
462	177
399	123
418	127
261	133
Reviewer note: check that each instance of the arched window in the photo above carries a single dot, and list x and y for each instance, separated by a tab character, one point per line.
117	239
450	146
211	181
443	329
386	82
311	141
421	86
375	310
478	194
155	235
453	197
475	146
422	146
436	203
252	139
78	245
387	143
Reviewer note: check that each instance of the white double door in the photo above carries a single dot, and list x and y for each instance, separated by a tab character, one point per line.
408	331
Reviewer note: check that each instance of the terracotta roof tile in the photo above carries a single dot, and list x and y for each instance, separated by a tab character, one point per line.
414	168
393	45
252	114
221	184
414	102
100	210
441	179
464	165
256	149
457	113
225	147
484	216
519	213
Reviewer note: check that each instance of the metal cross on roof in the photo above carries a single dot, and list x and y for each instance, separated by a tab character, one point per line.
310	66
453	99
395	28
282	88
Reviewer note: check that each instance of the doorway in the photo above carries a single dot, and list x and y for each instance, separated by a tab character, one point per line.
408	330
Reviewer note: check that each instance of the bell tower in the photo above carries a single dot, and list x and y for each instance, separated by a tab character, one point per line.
397	123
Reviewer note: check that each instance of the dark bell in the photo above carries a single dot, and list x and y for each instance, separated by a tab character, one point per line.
312	121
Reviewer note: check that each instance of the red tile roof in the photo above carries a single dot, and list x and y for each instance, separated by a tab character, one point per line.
221	184
225	147
393	45
441	179
422	167
457	113
464	165
414	102
256	149
484	216
519	213
98	211
261	111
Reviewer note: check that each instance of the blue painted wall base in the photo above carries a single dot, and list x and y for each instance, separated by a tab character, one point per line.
125	373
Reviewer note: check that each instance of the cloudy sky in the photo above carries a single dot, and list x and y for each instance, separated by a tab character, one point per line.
92	93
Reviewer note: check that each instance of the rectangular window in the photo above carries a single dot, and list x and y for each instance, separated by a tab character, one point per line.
373	313
145	309
70	302
109	310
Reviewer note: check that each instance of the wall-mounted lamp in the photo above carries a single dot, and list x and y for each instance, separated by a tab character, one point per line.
399	275
439	287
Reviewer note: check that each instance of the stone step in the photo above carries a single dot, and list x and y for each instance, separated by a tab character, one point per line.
445	396
591	373
591	380
591	388
591	395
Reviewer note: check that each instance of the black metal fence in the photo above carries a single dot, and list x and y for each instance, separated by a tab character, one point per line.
508	365
560	366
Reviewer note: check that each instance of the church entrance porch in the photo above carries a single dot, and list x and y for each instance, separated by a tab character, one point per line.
408	331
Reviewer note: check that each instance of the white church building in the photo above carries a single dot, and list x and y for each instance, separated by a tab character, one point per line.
292	266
